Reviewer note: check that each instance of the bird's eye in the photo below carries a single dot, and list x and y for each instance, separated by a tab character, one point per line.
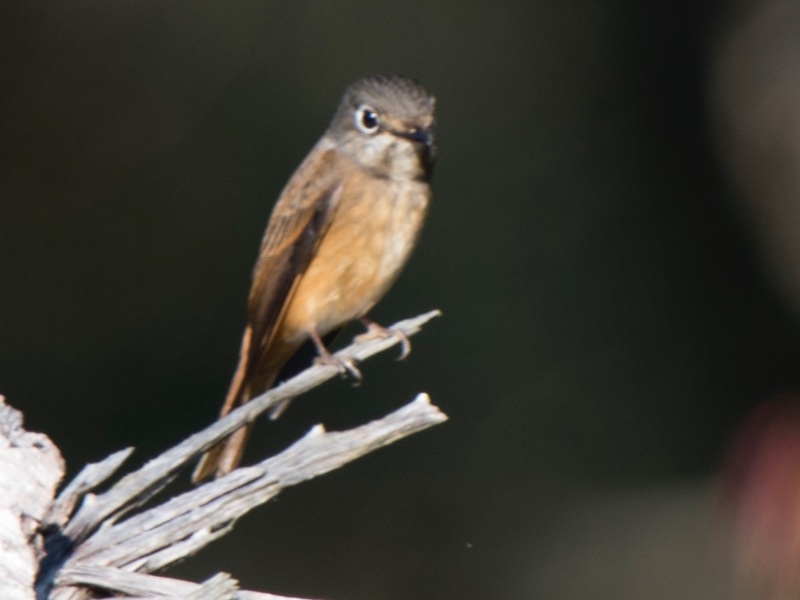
366	120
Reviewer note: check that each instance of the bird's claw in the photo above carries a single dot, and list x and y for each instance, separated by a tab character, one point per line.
376	331
343	364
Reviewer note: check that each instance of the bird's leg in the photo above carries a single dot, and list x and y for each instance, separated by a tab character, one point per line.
324	357
374	330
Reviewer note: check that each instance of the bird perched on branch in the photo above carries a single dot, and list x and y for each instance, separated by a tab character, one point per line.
341	231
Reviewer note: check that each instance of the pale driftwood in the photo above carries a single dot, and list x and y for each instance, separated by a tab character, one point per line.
99	547
139	586
30	469
136	488
180	527
88	479
143	542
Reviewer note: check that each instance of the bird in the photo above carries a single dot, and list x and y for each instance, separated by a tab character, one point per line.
339	235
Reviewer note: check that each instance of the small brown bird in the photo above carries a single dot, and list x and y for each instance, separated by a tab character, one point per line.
341	231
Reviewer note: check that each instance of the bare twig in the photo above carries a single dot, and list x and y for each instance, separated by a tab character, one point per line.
143	542
136	488
30	469
138	586
98	540
90	477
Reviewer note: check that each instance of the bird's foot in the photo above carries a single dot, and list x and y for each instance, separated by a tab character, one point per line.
344	365
376	331
324	357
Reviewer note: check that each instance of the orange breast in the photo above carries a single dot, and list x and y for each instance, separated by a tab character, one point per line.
370	238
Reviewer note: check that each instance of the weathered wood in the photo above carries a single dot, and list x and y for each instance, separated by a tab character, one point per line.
106	547
30	469
145	541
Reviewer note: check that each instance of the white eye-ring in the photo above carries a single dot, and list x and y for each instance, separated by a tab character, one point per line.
367	119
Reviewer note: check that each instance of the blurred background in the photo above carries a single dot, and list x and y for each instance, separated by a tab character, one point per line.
614	244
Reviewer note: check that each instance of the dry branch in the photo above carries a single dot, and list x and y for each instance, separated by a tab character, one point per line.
104	546
145	542
30	469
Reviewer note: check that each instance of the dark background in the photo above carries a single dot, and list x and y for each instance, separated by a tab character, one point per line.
607	320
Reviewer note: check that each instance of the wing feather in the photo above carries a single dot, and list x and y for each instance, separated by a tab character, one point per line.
298	223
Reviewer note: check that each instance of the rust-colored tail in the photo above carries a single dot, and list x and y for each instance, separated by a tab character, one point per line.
222	458
225	456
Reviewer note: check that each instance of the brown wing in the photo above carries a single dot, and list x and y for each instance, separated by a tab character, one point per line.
298	222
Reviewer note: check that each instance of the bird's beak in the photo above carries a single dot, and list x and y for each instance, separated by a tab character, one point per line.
424	136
